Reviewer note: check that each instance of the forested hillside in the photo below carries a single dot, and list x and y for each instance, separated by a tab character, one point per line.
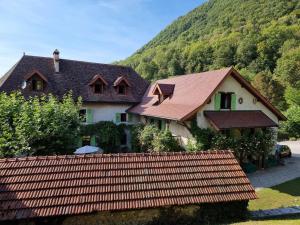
261	38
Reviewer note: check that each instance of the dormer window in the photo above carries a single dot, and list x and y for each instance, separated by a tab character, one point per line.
37	85
98	88
122	89
163	91
121	84
98	84
36	80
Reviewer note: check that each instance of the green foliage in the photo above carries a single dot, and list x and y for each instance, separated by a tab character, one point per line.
108	134
38	126
150	138
146	137
202	138
258	144
165	142
291	127
209	213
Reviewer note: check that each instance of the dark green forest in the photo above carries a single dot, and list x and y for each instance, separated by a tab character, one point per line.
261	38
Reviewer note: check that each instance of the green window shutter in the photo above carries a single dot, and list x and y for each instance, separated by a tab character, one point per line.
129	117
118	117
89	116
163	125
217	101
233	101
93	141
80	142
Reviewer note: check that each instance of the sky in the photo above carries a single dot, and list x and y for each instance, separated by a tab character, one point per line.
91	30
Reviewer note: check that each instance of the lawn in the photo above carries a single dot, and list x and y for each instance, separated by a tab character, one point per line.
271	222
282	195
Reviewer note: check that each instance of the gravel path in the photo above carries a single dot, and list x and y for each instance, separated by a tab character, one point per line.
280	174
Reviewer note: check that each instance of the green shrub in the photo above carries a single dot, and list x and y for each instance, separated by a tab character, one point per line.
41	125
202	136
146	137
165	142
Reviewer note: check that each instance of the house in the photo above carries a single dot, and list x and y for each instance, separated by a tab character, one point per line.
222	100
107	91
118	188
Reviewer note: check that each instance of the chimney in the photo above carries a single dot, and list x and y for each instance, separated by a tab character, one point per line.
56	60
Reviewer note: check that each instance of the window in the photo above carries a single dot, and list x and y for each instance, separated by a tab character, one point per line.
122	89
98	88
225	100
123	117
86	140
37	85
82	114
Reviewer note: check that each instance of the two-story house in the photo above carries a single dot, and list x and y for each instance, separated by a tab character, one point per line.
220	99
107	91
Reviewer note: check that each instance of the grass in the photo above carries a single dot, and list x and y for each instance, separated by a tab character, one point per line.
282	195
271	222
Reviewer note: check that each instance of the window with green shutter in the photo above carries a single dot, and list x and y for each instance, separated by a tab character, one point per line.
93	141
89	116
163	125
118	117
217	101
129	116
233	101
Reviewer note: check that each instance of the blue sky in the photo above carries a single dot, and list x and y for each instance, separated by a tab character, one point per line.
91	30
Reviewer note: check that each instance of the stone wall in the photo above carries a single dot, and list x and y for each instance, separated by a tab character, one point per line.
173	215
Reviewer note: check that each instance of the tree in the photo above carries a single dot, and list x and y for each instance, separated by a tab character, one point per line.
38	126
291	127
270	88
165	142
288	68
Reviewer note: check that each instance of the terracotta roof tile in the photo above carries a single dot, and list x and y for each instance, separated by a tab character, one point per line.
61	185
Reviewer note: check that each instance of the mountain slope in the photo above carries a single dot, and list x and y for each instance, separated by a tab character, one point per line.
256	36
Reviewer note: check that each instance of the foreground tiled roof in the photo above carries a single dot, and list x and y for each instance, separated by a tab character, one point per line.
191	92
75	76
62	185
239	119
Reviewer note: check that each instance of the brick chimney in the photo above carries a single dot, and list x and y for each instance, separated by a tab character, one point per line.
56	60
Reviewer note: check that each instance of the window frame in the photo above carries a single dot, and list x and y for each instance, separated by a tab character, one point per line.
85	115
37	84
124	88
122	115
101	88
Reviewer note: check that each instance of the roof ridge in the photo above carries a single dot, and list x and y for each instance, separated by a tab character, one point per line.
117	155
80	61
198	73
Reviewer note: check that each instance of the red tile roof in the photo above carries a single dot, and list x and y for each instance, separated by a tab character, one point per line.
239	119
61	185
191	92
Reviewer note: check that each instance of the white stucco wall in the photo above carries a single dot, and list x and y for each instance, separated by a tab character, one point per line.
180	131
106	112
231	85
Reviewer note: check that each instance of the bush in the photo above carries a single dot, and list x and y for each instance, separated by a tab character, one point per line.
108	134
165	142
146	137
203	137
150	138
41	125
